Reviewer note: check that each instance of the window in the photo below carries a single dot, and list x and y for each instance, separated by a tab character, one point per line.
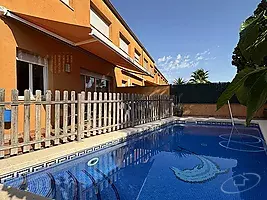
102	85
99	23
145	64
92	82
137	56
124	83
124	44
31	73
151	68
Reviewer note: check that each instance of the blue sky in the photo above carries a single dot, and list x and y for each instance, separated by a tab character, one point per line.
184	35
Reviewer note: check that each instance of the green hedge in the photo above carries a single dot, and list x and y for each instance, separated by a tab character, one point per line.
200	93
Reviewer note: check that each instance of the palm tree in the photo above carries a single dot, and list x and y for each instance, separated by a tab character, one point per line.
179	81
199	76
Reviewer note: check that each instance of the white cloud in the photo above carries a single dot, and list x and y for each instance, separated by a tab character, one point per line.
170	66
200	58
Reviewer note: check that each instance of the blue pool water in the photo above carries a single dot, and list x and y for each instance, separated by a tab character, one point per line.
179	161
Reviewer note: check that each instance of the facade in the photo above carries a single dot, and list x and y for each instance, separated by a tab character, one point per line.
70	45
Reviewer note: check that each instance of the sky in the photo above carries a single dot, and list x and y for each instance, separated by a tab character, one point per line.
185	35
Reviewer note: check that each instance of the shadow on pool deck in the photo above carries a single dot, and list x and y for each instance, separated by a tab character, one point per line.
8	193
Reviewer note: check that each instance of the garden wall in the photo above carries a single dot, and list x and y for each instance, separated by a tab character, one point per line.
209	110
200	100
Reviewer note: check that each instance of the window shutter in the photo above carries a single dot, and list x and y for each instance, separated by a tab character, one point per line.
124	45
31	58
146	63
97	22
137	56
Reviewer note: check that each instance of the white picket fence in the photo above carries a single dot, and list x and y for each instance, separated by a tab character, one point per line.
73	117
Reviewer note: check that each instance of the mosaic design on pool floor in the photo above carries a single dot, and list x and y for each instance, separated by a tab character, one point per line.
201	173
243	142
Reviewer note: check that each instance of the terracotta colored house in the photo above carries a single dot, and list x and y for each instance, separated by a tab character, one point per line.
70	45
73	45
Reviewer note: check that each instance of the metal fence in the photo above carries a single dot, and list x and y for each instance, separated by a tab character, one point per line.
73	117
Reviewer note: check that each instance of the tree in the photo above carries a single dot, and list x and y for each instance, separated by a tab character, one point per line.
199	76
250	57
179	81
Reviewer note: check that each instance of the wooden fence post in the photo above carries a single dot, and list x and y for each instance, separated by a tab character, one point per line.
94	113
2	123
79	130
159	105
48	117
172	104
114	112
65	116
152	98
57	116
38	119
125	111
141	108
157	108
73	116
132	110
89	112
118	111
128	116
14	122
105	112
100	112
148	109
26	134
162	106
122	105
109	111
136	109
82	114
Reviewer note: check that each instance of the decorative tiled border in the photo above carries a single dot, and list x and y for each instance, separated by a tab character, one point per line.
223	123
132	134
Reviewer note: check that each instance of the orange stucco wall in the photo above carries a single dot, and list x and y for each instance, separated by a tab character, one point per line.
16	35
54	10
210	110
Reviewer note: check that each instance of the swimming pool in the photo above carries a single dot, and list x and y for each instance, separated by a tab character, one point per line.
178	161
